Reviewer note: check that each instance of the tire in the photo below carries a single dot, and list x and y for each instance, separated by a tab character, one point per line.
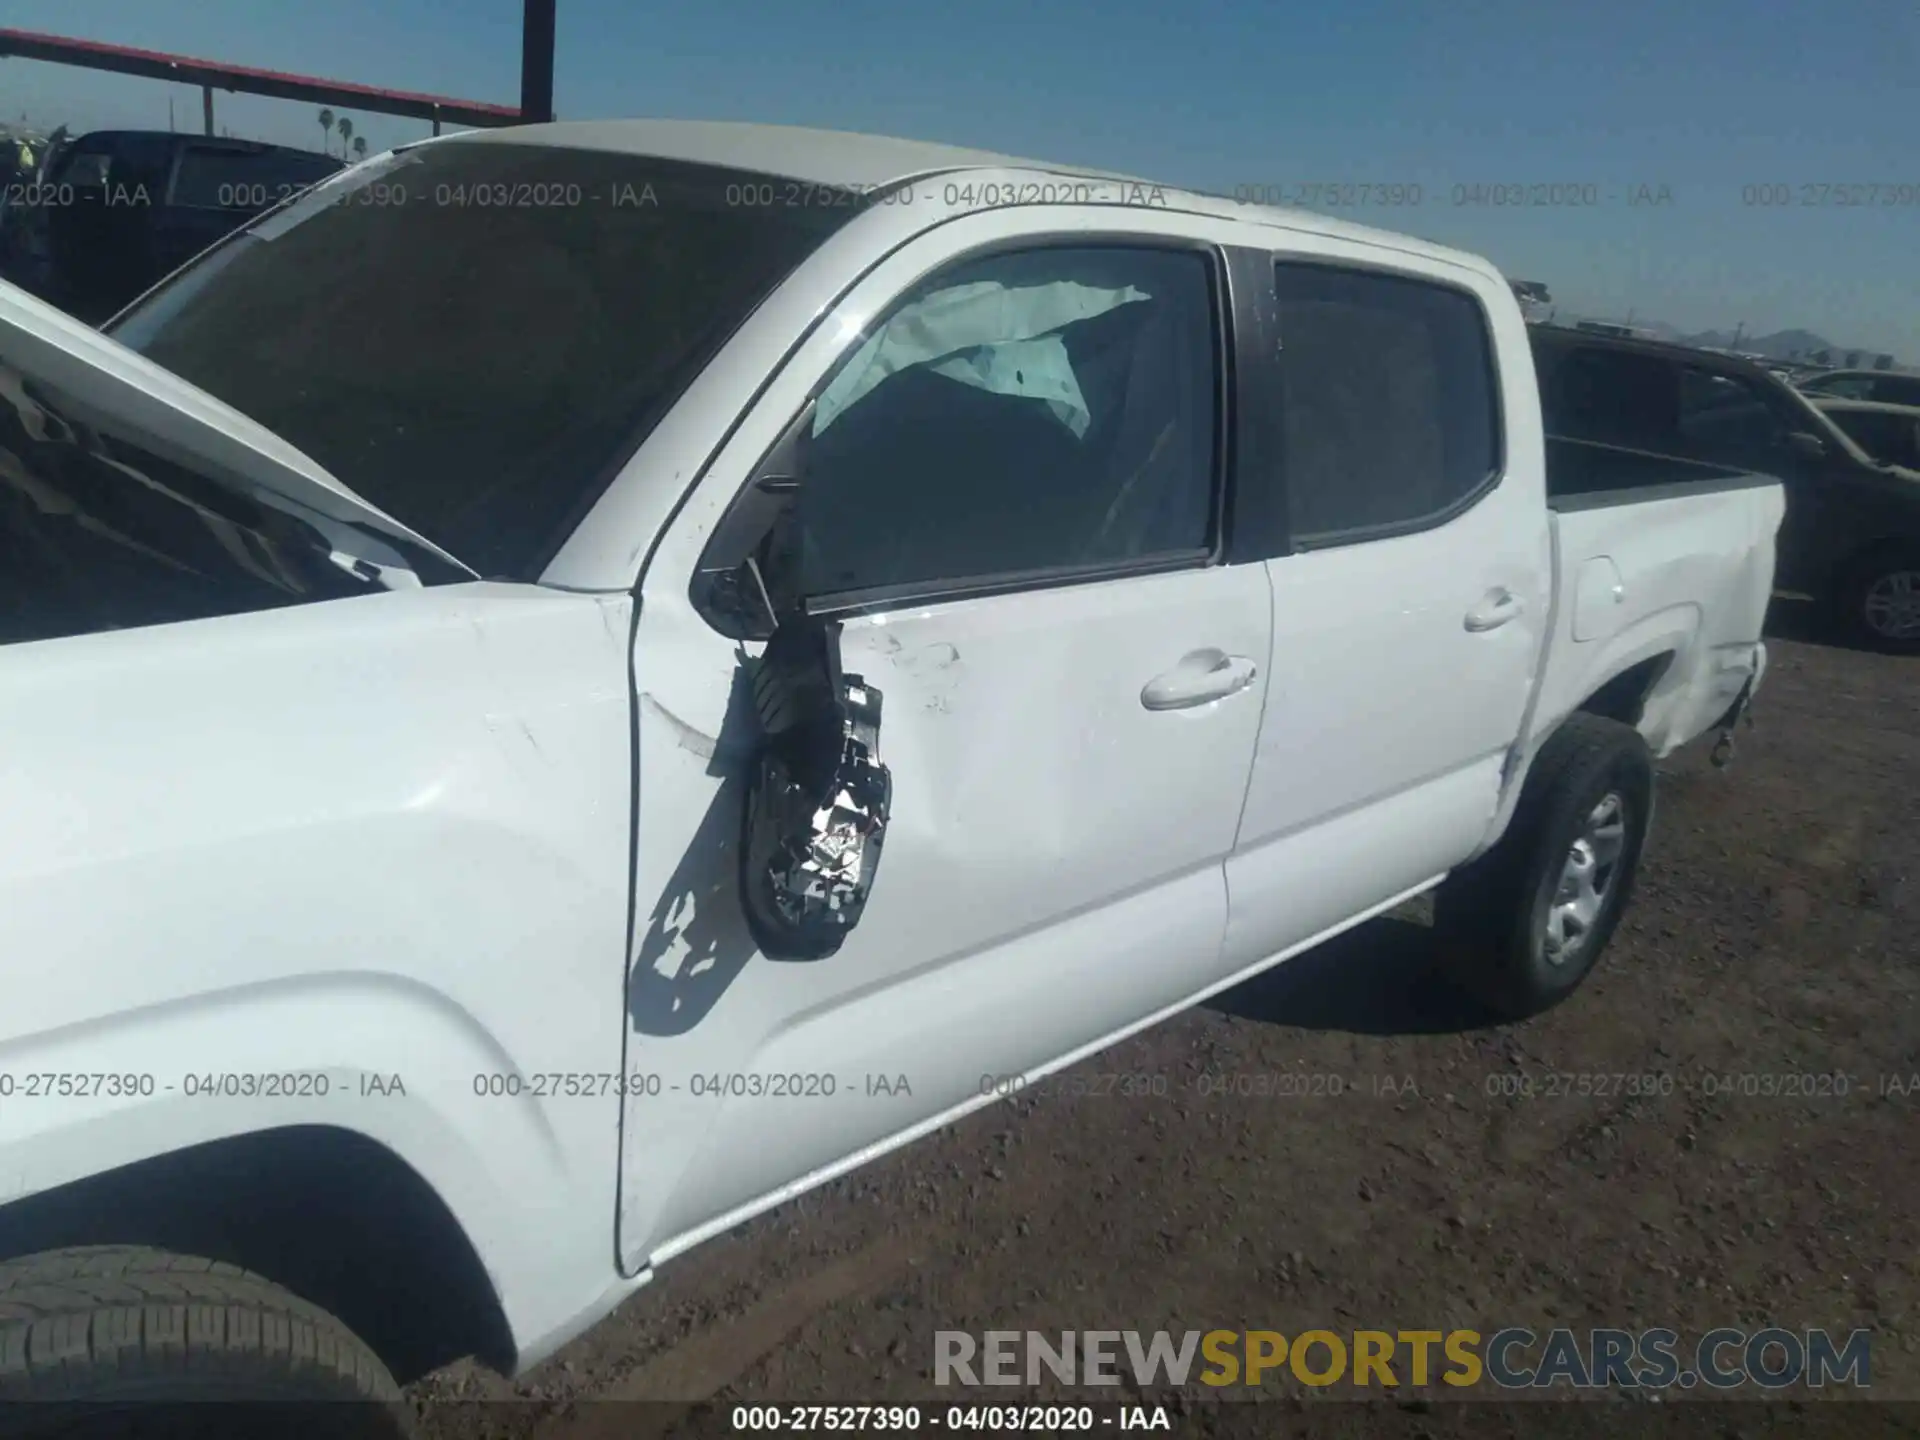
1591	783
1878	600
122	1331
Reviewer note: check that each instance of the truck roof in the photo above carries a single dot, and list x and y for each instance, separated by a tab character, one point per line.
95	139
840	157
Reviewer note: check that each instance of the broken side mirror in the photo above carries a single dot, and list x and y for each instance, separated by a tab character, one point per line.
739	588
817	797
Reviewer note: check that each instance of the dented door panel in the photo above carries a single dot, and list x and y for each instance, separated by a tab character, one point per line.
1052	874
1068	765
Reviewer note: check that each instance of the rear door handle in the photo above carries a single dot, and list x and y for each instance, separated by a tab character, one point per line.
1500	606
1201	676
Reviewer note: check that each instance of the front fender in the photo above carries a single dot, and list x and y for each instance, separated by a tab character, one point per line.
386	837
380	1055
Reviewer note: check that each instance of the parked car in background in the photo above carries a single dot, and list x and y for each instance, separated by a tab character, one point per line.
442	691
23	245
123	208
1851	538
1889	433
1887	387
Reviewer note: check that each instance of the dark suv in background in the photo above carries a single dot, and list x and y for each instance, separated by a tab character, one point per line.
1883	387
123	208
1851	538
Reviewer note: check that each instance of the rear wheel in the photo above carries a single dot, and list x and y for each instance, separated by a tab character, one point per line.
1523	925
1879	599
125	1333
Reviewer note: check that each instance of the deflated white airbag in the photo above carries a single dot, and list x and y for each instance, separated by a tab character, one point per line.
984	334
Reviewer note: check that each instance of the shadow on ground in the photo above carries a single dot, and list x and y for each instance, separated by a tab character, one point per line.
1381	978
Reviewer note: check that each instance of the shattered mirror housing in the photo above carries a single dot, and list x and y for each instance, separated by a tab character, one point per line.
818	797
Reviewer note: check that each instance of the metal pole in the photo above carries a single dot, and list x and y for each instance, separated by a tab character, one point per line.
206	106
536	62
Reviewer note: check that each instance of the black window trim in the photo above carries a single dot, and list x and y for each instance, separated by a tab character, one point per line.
1258	516
870	600
1454	509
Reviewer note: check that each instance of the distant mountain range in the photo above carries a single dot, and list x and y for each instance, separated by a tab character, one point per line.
1780	345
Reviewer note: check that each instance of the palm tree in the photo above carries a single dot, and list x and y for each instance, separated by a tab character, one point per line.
345	127
359	147
326	130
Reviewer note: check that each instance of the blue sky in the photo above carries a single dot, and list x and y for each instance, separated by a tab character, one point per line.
1706	98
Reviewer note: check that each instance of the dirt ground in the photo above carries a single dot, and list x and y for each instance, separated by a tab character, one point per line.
1775	933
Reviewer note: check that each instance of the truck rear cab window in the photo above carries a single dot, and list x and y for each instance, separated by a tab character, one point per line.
1389	418
1042	412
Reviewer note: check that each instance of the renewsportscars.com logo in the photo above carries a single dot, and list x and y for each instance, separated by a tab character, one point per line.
1513	1358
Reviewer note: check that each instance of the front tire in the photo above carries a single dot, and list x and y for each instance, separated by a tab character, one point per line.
125	1332
1523	925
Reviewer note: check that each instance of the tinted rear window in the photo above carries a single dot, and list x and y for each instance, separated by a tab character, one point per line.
217	178
1387	400
476	338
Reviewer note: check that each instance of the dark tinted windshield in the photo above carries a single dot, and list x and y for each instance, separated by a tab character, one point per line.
476	337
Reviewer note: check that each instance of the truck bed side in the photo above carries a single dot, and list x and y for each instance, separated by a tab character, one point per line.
1662	568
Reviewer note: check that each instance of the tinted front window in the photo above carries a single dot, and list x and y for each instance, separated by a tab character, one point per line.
478	369
1041	411
1387	404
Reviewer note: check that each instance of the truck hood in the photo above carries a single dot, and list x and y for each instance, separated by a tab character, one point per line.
107	384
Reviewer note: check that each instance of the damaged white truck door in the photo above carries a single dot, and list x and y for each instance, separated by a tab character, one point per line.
1011	491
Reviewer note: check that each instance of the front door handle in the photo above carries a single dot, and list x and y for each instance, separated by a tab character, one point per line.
1201	676
1500	606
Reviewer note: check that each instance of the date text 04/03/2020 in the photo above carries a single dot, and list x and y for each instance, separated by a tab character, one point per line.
960	1419
229	1084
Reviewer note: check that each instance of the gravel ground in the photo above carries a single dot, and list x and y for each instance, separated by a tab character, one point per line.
1773	935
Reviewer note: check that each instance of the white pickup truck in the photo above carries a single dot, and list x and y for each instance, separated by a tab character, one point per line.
470	637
